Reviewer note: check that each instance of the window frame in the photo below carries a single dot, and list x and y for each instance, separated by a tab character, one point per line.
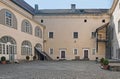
38	32
9	18
94	52
51	51
50	36
75	52
26	27
74	35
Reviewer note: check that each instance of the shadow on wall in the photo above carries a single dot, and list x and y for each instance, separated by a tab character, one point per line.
115	48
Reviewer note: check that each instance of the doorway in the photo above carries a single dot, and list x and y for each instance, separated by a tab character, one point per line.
86	51
62	54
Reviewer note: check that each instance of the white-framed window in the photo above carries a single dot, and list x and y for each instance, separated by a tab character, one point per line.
75	34
26	27
8	18
51	51
75	51
26	48
38	32
93	51
51	35
8	45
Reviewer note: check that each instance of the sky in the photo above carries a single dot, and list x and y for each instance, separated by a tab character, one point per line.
66	4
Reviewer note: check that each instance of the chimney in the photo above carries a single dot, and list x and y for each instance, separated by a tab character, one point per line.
36	8
73	6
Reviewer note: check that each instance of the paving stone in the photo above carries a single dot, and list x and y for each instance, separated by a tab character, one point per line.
56	70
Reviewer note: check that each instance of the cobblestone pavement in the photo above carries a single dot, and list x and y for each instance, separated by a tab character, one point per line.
56	70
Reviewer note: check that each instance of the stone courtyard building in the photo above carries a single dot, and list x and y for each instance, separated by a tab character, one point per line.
56	33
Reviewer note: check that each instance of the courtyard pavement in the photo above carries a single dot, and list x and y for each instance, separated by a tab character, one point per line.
56	70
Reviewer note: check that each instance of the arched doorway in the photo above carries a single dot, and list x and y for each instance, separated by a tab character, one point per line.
39	53
8	48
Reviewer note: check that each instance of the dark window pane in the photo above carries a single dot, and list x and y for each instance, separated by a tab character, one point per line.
75	35
50	34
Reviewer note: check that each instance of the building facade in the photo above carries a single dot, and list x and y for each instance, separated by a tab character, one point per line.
58	33
71	33
19	32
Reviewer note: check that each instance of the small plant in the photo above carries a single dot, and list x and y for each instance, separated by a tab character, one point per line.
105	62
34	57
101	60
3	58
27	57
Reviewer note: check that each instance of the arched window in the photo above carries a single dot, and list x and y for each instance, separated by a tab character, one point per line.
8	18
38	32
38	46
8	46
26	27
118	26
26	48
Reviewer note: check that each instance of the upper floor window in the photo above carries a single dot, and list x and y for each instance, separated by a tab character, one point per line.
75	35
26	27
8	18
85	20
38	32
42	21
103	21
50	34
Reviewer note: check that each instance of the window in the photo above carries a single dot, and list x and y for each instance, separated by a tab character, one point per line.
85	20
51	51
7	45
93	51
118	26
41	20
75	35
38	47
50	34
26	27
103	21
26	48
38	32
75	51
8	18
93	35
